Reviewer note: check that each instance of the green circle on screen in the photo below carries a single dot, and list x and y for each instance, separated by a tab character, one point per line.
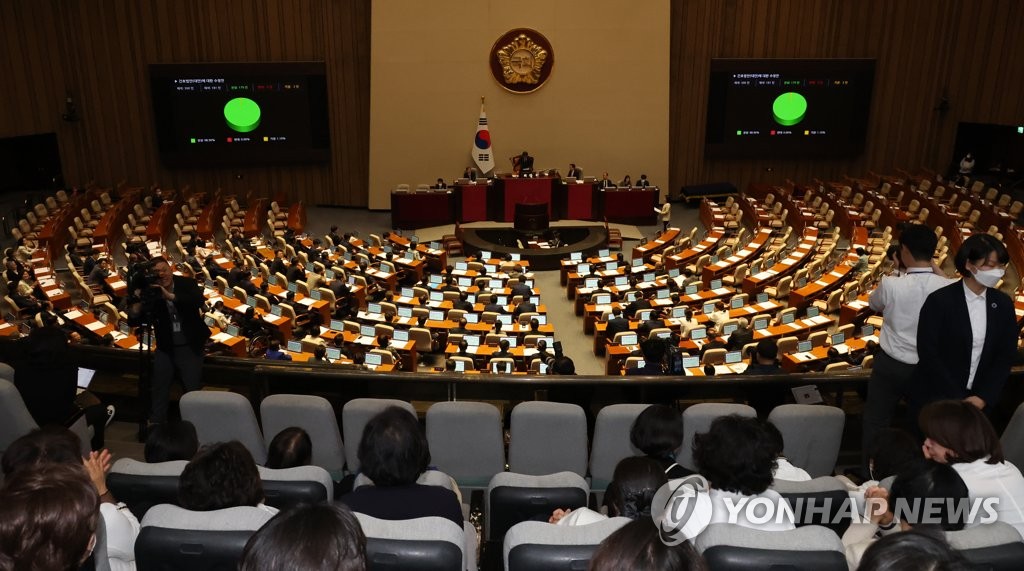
789	109
242	114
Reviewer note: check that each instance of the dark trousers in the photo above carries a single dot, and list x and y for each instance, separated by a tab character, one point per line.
890	381
95	416
189	366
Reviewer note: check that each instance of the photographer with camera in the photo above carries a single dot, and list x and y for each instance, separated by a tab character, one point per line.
173	305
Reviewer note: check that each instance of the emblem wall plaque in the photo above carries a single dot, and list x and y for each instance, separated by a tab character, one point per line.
521	60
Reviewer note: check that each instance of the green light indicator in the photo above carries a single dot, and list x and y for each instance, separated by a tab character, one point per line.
789	109
242	114
192	140
1020	130
739	132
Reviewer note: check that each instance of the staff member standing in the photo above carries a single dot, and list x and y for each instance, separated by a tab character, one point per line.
967	333
665	213
899	299
181	334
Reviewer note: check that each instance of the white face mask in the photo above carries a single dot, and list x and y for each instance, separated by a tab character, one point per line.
989	278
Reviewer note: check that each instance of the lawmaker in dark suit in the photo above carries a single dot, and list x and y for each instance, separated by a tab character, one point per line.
714	342
617	324
523	290
743	335
502	352
958	358
463	303
574	172
181	335
278	266
654	353
461	329
634	306
524	307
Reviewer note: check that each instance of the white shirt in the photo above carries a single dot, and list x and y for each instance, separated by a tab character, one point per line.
1003	481
122	529
685	327
719	317
900	299
787	471
582	516
779	522
979	323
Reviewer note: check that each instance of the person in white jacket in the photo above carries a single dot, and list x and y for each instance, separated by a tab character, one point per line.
635	481
959	434
665	212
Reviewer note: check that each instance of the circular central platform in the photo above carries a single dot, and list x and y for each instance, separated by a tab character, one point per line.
501	241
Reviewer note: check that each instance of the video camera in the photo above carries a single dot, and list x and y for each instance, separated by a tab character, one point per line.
141	278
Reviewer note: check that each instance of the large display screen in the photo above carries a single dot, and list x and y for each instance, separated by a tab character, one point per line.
788	108
220	114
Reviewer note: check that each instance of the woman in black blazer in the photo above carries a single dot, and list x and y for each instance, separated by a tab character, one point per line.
945	331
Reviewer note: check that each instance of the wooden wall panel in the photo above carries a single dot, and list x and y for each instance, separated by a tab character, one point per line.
99	50
969	50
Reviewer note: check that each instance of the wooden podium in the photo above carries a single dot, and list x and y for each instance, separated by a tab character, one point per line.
532	217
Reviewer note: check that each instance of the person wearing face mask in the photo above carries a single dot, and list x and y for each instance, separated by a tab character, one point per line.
967	332
899	298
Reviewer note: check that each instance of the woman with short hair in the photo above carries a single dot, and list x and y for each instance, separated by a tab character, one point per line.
393	453
658	433
220	476
321	537
48	518
967	331
638	545
958	434
738	458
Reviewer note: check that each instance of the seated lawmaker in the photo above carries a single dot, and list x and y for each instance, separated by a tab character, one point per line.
764	361
713	342
606	182
441	184
743	335
654	354
274	352
502	352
